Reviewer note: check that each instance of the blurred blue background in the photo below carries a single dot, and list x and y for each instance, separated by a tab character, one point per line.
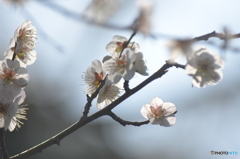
207	118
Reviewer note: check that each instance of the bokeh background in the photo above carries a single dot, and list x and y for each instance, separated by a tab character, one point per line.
207	118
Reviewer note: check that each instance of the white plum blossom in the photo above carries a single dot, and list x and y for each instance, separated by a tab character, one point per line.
159	113
25	36
108	93
23	44
12	76
93	77
8	108
118	67
99	11
205	68
115	47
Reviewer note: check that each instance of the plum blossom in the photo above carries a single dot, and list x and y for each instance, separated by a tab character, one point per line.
12	76
118	67
93	77
108	93
115	47
99	11
143	21
20	114
8	108
23	44
205	68
178	48
159	113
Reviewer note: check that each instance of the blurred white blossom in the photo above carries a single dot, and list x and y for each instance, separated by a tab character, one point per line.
178	48
159	113
143	22
99	11
205	68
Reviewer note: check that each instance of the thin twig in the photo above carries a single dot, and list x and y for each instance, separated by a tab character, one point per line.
90	99
124	122
2	144
126	86
125	44
177	65
14	53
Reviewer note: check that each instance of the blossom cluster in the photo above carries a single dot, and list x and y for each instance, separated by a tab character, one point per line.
14	76
123	63
125	60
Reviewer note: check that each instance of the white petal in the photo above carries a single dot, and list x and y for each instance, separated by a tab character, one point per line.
119	38
139	65
156	102
145	111
97	65
164	121
111	47
12	124
106	58
190	70
169	108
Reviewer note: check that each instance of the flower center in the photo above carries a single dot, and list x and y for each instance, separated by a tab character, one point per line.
21	56
157	112
202	70
120	46
8	75
98	79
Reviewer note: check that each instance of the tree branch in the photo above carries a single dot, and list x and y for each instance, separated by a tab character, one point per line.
124	122
221	36
78	17
105	111
2	144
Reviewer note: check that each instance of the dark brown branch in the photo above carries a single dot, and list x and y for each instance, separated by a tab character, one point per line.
2	144
105	111
124	122
126	86
14	53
